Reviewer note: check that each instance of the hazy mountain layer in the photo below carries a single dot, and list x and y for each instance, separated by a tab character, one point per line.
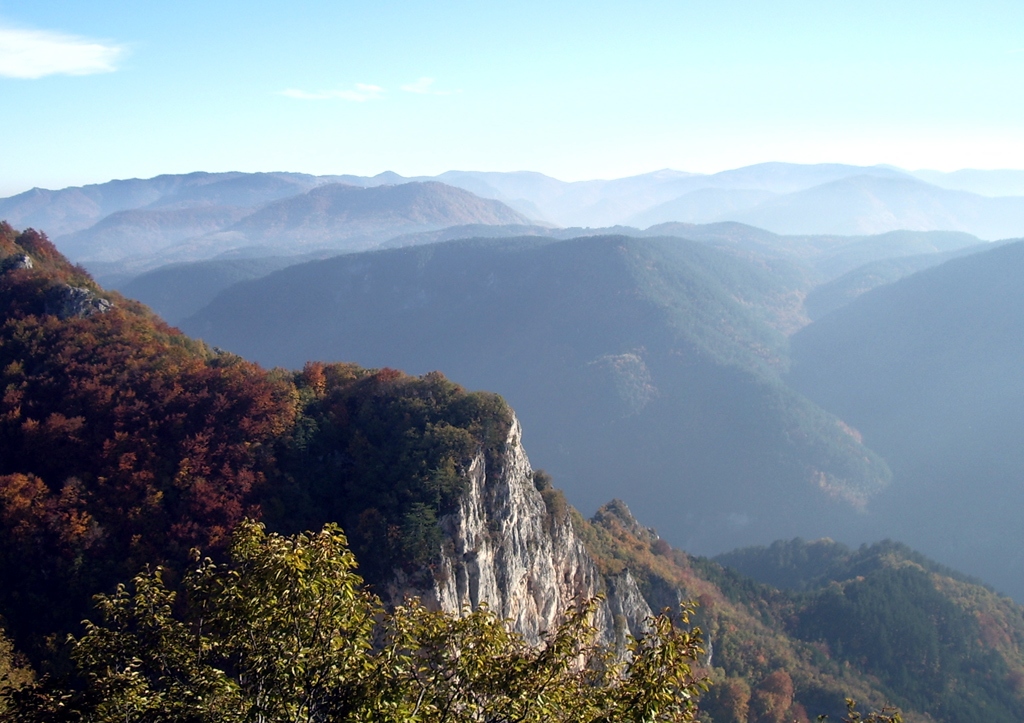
841	291
647	365
76	208
176	291
787	198
349	217
705	205
141	232
868	205
332	216
998	182
622	200
929	370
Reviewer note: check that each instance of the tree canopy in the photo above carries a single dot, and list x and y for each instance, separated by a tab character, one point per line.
285	631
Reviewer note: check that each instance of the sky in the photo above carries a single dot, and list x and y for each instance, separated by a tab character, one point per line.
98	90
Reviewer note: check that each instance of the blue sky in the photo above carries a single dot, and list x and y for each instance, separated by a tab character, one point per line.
99	90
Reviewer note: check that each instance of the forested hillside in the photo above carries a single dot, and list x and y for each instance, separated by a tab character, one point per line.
643	364
935	640
882	623
928	369
127	443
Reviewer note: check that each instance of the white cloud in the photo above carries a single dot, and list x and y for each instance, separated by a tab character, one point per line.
360	93
425	86
37	53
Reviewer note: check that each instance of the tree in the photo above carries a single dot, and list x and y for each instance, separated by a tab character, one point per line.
886	715
286	632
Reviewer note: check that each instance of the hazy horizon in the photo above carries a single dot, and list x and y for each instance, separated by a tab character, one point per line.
920	173
572	90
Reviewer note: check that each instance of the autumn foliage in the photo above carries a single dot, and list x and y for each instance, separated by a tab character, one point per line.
127	443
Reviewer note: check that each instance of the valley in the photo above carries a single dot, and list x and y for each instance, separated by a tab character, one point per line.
735	378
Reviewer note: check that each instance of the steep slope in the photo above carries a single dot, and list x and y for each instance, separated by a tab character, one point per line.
176	291
928	369
641	364
126	443
882	624
938	642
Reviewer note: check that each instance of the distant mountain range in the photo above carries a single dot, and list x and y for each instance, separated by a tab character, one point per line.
136	225
189	221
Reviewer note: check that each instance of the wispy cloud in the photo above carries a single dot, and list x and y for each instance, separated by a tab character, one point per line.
361	92
425	86
38	53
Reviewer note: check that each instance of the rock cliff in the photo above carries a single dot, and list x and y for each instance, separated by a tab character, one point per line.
505	548
70	302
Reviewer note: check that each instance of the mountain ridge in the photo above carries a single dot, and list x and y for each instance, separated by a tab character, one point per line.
862	199
927	368
126	443
607	347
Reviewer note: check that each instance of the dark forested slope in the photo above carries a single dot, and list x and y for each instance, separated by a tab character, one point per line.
929	370
935	640
882	623
647	365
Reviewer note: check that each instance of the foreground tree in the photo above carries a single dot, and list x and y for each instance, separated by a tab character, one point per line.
286	632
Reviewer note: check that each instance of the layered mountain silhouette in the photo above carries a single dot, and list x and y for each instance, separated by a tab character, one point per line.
177	290
929	370
202	215
77	208
840	291
868	204
336	217
349	217
137	225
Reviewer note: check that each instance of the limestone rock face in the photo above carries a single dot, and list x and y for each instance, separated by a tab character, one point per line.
505	549
20	261
69	302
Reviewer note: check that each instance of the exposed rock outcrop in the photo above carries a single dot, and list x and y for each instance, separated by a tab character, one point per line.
18	261
505	549
69	302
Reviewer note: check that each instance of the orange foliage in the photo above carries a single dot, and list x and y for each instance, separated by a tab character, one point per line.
124	442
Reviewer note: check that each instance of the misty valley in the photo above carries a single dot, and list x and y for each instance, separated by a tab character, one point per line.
780	404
